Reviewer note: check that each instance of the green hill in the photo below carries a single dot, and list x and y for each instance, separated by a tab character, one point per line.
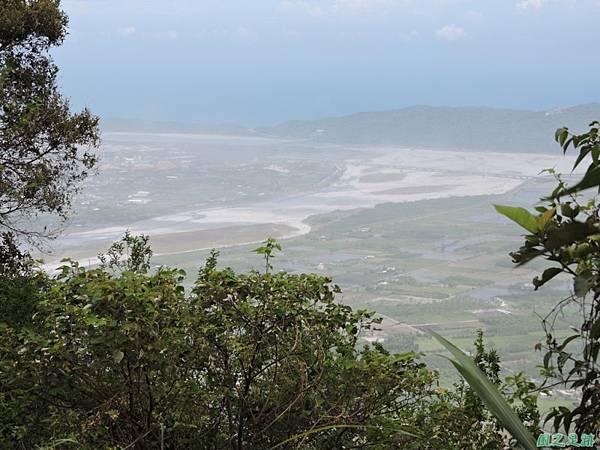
457	128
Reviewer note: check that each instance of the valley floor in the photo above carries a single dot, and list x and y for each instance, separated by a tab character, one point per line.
409	233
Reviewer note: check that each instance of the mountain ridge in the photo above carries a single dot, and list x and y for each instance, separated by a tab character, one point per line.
452	128
419	126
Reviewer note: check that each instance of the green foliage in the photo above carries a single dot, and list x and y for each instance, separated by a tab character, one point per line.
522	394
35	23
488	363
449	424
131	253
117	357
588	144
44	149
21	284
267	250
486	390
111	358
519	215
568	237
458	419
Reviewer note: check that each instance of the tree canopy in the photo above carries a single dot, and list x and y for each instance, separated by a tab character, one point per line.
44	148
243	361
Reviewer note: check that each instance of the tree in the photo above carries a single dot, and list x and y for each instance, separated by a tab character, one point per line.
44	148
566	233
117	358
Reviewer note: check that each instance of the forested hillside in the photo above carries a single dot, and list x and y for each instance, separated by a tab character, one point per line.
443	128
430	127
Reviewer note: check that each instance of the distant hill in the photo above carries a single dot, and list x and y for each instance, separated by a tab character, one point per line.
145	126
461	128
452	128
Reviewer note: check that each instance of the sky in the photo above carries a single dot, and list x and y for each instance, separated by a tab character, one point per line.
266	61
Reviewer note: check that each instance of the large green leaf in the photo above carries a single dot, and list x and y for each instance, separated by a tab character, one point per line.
590	179
546	276
489	394
561	135
582	154
519	215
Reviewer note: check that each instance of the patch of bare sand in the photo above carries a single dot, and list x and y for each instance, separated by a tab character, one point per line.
381	177
192	241
415	190
180	242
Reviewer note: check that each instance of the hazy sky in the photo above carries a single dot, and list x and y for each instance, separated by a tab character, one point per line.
264	61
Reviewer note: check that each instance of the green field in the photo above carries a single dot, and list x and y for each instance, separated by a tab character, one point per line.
429	264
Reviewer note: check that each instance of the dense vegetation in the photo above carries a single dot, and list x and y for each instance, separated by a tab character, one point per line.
42	144
115	356
459	128
566	233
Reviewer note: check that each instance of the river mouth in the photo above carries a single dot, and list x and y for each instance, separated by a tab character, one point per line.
255	189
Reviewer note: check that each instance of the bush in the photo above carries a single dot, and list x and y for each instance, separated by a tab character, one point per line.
242	361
